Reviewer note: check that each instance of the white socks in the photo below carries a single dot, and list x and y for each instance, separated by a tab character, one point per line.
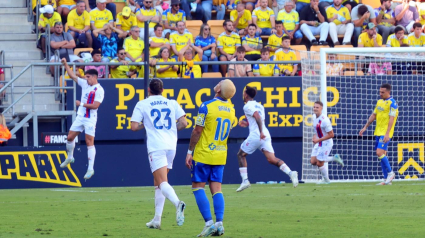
209	223
159	204
169	193
244	173
329	159
285	168
324	171
70	145
91	153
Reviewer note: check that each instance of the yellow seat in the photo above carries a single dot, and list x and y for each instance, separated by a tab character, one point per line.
348	66
211	75
77	51
297	49
66	27
194	27
316	48
353	73
216	27
343	46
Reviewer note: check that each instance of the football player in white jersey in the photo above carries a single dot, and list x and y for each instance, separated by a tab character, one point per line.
92	95
158	116
258	138
322	140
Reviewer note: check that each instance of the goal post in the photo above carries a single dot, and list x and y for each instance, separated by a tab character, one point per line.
348	80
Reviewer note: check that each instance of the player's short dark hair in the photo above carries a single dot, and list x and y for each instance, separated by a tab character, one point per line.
286	38
92	72
362	10
319	102
157	26
95	52
252	24
278	23
417	24
387	86
404	45
226	21
119	49
382	1
264	50
399	28
177	23
251	91
156	86
240	49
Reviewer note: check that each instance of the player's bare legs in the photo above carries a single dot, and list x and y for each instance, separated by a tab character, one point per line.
271	158
70	145
322	168
160	178
386	168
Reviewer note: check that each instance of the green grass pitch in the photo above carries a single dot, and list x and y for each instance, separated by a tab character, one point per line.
335	210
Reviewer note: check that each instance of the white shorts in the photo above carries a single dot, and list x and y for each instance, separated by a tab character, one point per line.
72	58
161	158
321	152
84	124
253	143
68	6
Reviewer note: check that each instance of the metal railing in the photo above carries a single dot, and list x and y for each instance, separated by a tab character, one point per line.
9	67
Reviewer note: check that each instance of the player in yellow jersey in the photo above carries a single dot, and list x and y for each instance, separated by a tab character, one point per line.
385	113
209	140
398	38
79	25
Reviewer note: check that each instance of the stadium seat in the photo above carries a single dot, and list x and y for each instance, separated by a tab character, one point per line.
348	66
353	73
77	51
297	49
66	27
194	27
343	46
211	75
216	27
317	48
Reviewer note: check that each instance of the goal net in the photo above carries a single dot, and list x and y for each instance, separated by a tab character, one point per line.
352	77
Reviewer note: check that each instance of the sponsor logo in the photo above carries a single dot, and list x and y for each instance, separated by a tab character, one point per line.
212	146
409	155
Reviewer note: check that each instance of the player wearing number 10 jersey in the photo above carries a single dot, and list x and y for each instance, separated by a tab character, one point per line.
158	115
213	125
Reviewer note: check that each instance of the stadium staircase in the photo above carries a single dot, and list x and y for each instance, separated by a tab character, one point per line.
19	45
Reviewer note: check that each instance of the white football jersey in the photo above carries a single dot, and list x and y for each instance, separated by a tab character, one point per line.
322	126
159	116
89	94
249	109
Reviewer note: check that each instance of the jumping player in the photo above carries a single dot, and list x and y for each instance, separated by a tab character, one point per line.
158	116
209	140
92	95
259	138
322	140
385	113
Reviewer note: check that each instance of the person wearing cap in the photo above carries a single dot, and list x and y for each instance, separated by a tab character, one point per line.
125	20
64	7
79	25
406	15
108	36
171	16
398	38
147	13
339	22
42	4
361	15
370	38
385	19
48	17
91	4
157	42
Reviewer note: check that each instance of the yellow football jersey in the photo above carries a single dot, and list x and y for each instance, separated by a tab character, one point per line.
43	21
170	73
121	71
416	42
191	72
265	70
43	3
368	42
394	42
134	47
290	20
67	2
180	41
153	51
274	42
383	110
253	43
172	19
229	43
145	12
78	21
216	117
100	18
282	55
126	24
243	21
263	17
343	14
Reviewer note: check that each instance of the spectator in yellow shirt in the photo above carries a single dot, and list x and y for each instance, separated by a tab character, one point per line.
252	44
157	42
227	43
124	70
416	38
264	18
339	23
42	4
147	13
165	71
125	20
79	25
265	70
186	55
291	22
275	40
398	38
48	17
134	46
370	38
286	54
241	18
179	39
65	6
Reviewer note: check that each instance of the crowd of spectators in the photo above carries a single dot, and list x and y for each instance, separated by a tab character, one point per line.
257	30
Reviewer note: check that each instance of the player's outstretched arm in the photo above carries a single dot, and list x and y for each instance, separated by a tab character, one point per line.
69	71
181	123
135	126
369	121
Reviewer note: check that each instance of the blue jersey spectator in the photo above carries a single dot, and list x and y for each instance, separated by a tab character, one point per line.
208	44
